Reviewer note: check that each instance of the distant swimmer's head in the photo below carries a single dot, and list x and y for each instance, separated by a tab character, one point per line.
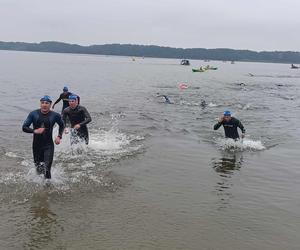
227	115
65	89
203	103
45	103
73	101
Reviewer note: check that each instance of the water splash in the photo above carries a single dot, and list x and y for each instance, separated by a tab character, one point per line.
240	145
79	166
211	105
11	155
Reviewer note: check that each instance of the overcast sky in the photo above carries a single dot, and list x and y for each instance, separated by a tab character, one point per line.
238	24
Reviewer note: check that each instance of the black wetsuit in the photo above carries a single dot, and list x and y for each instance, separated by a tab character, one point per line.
43	146
230	128
65	98
167	99
78	115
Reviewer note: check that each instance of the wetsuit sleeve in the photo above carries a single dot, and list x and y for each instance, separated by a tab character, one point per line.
64	117
61	125
87	116
26	125
58	100
217	125
240	125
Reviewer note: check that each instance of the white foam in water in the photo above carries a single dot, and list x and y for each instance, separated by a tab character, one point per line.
9	178
211	105
57	175
65	147
11	154
88	165
247	106
240	145
28	175
109	141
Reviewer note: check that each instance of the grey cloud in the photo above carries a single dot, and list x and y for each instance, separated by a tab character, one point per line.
258	25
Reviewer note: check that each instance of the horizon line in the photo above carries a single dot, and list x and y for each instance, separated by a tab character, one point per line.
162	46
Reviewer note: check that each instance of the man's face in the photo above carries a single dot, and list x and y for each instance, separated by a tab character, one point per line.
45	106
227	118
72	103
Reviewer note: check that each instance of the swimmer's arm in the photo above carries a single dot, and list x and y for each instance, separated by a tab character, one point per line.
61	125
57	101
64	117
88	118
240	125
26	125
217	125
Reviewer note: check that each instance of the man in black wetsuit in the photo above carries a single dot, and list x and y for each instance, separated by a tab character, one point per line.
43	121
230	125
64	96
79	117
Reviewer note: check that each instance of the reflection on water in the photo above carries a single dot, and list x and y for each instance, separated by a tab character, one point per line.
226	167
228	163
43	225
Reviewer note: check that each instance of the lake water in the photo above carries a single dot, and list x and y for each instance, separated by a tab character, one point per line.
155	175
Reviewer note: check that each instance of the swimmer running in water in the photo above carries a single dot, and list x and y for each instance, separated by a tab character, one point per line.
230	125
43	121
79	117
64	96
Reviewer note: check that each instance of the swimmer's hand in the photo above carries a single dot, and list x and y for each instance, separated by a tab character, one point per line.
57	140
39	131
77	126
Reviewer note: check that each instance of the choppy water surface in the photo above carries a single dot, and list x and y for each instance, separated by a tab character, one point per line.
155	175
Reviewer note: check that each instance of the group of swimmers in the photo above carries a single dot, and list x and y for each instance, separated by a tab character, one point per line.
43	121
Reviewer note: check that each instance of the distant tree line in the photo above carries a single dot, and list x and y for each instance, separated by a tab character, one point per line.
222	54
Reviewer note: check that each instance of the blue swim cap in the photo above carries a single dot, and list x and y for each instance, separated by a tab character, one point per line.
65	89
227	113
46	98
73	97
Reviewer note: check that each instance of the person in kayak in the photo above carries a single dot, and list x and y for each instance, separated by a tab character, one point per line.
64	96
43	121
230	125
79	117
